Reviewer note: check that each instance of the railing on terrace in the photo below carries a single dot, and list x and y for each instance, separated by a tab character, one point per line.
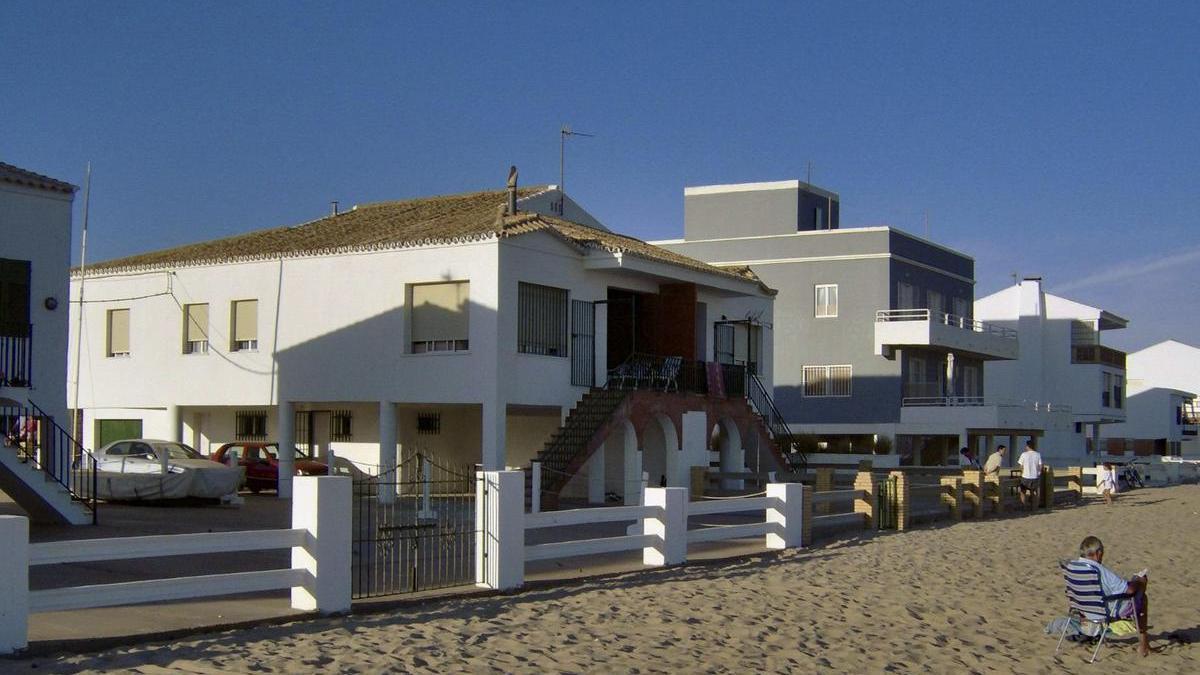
16	355
672	373
960	401
965	323
1098	354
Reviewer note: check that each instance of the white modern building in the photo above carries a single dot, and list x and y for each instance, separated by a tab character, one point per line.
35	256
1062	367
1161	413
464	326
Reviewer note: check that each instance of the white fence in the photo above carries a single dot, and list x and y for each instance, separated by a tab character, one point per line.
319	575
660	532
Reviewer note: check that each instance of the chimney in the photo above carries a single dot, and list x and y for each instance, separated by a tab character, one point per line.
333	207
511	209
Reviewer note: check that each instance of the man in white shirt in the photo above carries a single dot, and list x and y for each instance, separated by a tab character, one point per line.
995	460
1031	475
1136	606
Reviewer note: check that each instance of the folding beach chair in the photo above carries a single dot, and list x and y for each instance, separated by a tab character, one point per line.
1086	601
668	373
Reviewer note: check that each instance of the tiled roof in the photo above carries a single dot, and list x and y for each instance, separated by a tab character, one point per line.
413	222
19	176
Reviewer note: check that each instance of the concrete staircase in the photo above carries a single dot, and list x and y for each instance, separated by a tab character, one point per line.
39	469
567	450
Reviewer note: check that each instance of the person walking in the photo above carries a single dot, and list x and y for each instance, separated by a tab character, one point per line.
1031	475
995	460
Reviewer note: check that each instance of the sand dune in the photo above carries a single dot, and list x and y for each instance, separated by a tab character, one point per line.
971	597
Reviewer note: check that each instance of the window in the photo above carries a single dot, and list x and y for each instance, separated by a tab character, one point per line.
818	218
933	302
970	382
906	295
118	332
429	424
1118	391
438	318
828	380
962	308
14	298
1106	392
826	300
340	425
243	314
541	320
195	329
250	425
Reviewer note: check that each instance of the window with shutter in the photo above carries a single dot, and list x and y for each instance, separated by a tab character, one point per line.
244	317
14	298
438	317
118	332
195	329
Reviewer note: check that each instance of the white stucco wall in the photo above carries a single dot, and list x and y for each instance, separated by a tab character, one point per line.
35	225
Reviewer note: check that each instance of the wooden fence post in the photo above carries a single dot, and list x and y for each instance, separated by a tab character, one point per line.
973	489
903	501
824	483
868	499
952	496
1048	487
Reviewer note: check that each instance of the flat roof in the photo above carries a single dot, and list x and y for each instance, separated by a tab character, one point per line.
758	187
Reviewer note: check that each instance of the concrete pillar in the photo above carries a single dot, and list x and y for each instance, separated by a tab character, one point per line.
595	476
634	481
493	435
1096	447
868	500
386	457
694	444
669	525
1012	451
286	414
174	424
14	583
500	530
321	506
785	517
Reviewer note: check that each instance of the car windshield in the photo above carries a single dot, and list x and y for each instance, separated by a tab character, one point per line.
178	451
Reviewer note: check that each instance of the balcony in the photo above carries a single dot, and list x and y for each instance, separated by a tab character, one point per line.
924	328
976	412
16	355
1098	354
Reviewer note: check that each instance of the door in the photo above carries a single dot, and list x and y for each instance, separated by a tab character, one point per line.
583	343
108	431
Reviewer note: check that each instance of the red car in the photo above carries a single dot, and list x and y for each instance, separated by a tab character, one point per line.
261	462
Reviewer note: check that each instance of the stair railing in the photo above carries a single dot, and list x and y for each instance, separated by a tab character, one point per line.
764	405
39	441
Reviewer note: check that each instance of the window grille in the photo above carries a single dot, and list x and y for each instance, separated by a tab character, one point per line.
827	381
541	320
250	425
429	424
723	342
341	427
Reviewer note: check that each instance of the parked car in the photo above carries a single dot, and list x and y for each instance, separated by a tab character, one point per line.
261	463
133	469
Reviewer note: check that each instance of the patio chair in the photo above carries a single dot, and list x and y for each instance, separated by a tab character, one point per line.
635	368
1086	601
668	373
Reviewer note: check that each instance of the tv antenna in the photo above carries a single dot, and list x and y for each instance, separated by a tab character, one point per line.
562	144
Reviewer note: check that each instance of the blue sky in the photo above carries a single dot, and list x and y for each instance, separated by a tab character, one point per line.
1052	139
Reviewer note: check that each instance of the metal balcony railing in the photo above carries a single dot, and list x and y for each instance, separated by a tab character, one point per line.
953	320
976	401
1098	354
16	355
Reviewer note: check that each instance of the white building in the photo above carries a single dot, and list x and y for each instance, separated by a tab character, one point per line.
35	255
1062	367
1161	415
465	326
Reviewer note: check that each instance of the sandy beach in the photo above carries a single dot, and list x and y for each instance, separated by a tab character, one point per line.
969	597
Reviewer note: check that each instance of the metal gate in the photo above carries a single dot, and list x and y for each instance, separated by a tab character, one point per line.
887	506
583	343
414	528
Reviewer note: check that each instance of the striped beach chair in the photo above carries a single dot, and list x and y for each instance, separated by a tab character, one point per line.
1086	601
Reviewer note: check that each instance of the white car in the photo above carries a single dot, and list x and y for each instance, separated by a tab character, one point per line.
133	469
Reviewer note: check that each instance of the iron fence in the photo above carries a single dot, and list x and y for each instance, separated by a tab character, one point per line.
40	442
414	528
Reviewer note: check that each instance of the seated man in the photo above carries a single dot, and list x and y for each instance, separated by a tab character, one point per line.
1091	550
